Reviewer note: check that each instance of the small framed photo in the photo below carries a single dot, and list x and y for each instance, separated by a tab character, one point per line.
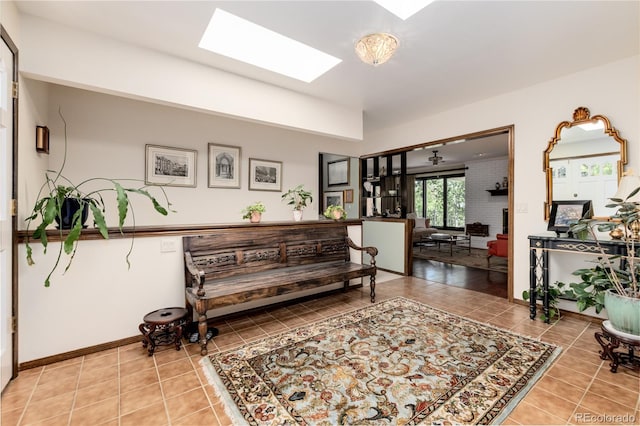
333	198
566	213
265	175
170	166
338	172
348	195
224	166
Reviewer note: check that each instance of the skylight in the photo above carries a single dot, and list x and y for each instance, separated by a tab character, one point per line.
404	9
245	41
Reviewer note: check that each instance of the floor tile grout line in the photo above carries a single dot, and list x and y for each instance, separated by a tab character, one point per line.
33	391
75	392
164	398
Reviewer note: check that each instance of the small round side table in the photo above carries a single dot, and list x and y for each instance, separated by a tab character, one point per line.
163	327
610	339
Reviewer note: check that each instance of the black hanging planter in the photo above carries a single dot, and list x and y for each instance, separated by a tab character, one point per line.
69	208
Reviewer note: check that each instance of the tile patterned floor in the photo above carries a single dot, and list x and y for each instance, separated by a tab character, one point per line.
124	386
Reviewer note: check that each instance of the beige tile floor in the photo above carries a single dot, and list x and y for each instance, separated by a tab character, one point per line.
124	386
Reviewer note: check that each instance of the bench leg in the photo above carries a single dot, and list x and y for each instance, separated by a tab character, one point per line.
202	330
372	284
346	286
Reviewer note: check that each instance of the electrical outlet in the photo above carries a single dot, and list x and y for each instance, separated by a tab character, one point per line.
167	246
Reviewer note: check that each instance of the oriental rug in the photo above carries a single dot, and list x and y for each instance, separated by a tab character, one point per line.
476	259
395	362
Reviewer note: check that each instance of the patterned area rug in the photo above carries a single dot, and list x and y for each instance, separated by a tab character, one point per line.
476	259
394	362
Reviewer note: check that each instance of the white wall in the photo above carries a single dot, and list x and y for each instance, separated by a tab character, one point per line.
110	66
98	297
612	90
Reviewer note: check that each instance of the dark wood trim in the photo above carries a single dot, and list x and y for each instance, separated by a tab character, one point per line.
483	133
79	352
180	230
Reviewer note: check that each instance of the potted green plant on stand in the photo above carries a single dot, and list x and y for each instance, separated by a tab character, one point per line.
298	198
254	212
613	282
66	203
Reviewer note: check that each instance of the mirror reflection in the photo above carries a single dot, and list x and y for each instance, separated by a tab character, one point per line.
339	183
584	161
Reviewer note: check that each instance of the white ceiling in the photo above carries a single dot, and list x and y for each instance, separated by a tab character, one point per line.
451	53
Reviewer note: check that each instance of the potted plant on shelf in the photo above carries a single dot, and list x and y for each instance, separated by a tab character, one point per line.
613	282
335	213
254	212
66	203
297	197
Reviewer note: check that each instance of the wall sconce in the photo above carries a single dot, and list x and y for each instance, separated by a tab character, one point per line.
42	139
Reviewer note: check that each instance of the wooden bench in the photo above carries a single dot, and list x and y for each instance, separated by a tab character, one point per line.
240	264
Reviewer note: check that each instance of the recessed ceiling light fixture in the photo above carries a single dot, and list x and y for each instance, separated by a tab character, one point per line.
245	41
375	49
404	9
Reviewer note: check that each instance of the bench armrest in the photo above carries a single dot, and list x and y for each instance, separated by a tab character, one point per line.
371	251
197	275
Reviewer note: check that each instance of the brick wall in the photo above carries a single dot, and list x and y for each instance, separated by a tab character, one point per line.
480	205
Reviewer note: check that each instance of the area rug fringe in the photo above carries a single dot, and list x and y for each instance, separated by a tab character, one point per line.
230	409
510	399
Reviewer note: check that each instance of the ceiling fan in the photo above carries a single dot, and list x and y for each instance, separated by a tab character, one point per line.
435	158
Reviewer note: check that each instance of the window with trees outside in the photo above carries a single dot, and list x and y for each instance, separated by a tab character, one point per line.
441	199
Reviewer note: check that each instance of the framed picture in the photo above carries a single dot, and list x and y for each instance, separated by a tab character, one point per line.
224	166
348	195
566	213
338	172
265	175
333	198
170	166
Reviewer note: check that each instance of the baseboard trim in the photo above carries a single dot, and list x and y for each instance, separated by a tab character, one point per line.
78	352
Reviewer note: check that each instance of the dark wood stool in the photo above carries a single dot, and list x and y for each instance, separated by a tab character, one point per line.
610	339
163	327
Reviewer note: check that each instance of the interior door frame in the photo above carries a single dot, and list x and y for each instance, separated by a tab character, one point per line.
14	196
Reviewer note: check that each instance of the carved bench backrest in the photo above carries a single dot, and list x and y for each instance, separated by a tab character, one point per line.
237	251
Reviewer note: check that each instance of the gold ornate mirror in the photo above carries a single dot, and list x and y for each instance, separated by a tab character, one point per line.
584	161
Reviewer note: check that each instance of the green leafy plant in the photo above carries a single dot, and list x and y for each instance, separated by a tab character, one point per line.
556	291
330	212
297	197
57	188
618	272
256	207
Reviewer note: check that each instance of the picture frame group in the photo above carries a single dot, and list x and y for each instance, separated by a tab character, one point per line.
177	167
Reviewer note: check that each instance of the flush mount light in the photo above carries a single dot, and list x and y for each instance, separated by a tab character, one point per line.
404	9
245	41
375	49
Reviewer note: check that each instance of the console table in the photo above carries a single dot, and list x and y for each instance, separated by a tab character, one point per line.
539	248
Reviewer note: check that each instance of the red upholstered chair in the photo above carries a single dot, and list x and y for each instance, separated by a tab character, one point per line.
499	247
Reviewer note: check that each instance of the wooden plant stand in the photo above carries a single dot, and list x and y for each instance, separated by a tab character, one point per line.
163	327
610	339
